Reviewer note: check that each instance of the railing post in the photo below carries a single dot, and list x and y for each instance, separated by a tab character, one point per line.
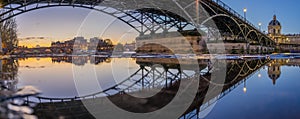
142	76
153	80
166	69
1	51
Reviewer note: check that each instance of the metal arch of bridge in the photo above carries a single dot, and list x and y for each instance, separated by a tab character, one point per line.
151	20
230	22
146	20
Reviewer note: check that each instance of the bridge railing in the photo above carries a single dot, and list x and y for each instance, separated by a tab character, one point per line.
230	10
236	14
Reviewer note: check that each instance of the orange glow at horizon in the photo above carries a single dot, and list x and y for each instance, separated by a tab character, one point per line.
33	45
47	43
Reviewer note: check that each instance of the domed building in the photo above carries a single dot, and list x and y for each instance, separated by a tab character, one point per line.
274	26
274	31
286	43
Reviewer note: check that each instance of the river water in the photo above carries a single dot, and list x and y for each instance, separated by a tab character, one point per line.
268	91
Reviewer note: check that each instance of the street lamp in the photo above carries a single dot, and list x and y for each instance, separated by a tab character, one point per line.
245	11
259	24
247	45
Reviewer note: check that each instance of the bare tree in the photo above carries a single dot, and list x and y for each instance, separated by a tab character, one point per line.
8	32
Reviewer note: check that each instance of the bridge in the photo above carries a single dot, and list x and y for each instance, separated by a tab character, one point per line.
209	20
163	78
150	17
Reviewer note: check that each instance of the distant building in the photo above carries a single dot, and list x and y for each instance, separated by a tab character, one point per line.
285	43
99	44
81	44
94	43
274	32
130	46
60	47
293	38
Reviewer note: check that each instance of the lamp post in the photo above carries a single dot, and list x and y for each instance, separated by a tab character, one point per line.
247	45
245	11
260	48
259	25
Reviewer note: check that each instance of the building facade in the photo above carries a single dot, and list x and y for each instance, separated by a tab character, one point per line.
185	42
285	43
275	33
80	44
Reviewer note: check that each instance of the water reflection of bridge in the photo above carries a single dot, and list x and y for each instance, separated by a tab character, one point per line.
153	76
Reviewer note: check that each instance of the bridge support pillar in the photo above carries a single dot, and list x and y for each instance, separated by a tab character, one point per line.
248	47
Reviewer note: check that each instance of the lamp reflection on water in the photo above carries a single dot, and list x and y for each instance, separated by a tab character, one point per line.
259	74
245	88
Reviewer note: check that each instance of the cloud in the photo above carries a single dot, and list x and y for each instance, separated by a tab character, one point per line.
34	38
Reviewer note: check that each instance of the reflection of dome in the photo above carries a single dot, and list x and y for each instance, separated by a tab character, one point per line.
274	72
274	77
274	22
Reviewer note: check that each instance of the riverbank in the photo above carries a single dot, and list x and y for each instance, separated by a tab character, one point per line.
176	56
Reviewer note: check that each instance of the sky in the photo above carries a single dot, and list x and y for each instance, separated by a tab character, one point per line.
64	23
41	27
287	12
